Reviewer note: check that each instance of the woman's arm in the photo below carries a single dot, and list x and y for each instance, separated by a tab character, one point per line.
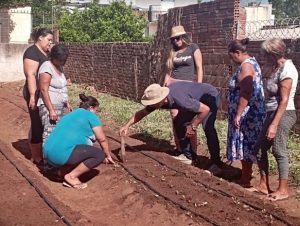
30	68
167	78
44	83
202	113
198	63
284	90
139	115
245	80
102	140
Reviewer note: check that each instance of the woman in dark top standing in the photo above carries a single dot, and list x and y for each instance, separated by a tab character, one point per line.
33	57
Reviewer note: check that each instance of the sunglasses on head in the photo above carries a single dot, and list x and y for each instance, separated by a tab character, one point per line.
175	38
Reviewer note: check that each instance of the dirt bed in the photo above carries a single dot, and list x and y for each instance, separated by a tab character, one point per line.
151	188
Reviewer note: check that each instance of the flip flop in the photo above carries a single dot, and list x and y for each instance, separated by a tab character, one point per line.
76	186
274	198
256	191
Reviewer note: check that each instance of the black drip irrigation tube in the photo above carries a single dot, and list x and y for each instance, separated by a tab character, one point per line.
167	198
40	193
224	193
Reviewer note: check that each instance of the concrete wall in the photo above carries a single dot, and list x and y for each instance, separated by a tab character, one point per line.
11	62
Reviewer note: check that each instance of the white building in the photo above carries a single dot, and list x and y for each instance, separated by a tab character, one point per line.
259	12
15	25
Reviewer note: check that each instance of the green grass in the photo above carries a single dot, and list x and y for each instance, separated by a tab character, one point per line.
157	125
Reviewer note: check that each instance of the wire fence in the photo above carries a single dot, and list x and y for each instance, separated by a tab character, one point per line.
288	28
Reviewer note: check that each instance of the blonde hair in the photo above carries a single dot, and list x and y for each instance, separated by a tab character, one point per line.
170	61
275	47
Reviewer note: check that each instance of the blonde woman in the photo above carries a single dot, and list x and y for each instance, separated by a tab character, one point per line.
280	89
184	64
185	58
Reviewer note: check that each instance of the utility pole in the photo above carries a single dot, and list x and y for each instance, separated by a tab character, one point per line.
52	14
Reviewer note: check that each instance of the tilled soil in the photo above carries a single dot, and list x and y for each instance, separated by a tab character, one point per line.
150	188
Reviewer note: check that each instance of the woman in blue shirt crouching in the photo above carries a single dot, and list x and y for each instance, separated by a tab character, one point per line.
70	142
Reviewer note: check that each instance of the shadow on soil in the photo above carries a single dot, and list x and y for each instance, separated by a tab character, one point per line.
152	144
22	146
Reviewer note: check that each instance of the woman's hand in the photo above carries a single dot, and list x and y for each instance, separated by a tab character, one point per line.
271	133
108	160
189	131
53	116
69	106
237	121
123	131
32	103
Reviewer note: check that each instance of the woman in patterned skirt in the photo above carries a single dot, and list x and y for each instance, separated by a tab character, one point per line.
246	110
53	100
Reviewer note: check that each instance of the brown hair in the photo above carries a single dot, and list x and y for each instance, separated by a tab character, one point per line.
87	101
40	32
238	45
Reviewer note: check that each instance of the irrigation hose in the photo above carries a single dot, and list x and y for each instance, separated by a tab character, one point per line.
203	184
167	198
40	193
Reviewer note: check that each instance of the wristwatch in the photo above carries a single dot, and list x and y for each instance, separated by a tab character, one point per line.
194	127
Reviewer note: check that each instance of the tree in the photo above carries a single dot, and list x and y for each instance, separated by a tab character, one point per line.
116	22
14	3
285	8
46	12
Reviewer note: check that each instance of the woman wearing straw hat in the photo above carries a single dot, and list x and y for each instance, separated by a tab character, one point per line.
184	64
196	102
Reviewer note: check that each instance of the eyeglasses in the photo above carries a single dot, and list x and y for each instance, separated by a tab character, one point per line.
177	38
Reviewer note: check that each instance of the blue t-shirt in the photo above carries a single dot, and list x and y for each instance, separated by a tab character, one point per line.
73	129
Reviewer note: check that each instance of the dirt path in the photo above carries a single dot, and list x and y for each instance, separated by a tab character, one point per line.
150	189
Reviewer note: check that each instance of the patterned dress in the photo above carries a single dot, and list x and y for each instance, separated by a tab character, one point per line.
240	142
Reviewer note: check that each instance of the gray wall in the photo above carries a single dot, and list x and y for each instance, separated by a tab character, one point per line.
11	62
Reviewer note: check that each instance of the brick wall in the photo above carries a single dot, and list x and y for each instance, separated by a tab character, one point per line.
121	69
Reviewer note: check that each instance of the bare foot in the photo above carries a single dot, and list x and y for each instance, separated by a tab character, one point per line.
72	181
258	190
277	196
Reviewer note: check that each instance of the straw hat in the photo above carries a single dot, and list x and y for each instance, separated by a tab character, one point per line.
177	31
154	94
